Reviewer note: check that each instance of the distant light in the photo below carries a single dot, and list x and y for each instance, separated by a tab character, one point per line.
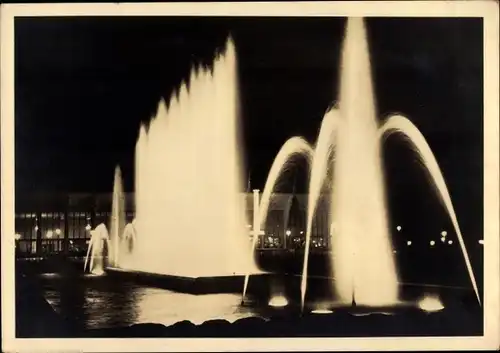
394	251
71	242
444	233
398	228
481	241
58	231
432	242
36	228
408	242
88	227
288	232
49	234
450	242
249	226
17	236
443	239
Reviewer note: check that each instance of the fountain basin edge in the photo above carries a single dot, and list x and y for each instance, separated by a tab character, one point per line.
195	285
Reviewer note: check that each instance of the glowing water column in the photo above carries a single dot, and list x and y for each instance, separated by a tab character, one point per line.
256	231
364	266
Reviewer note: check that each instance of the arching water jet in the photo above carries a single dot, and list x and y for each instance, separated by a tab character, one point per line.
320	163
295	146
398	124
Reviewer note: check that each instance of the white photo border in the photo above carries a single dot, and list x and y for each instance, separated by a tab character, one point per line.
488	10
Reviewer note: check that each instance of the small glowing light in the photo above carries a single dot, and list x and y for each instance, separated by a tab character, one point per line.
443	239
36	228
395	251
321	311
17	236
444	233
430	303
450	242
288	232
49	234
278	301
249	225
58	231
481	241
432	242
87	242
408	242
71	242
398	228
301	232
88	227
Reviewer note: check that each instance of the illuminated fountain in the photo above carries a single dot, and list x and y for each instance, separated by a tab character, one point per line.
96	250
347	161
190	216
117	223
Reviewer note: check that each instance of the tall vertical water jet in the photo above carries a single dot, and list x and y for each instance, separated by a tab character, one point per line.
401	125
190	214
362	258
117	223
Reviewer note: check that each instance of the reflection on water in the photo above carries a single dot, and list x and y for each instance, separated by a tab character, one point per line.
92	302
152	307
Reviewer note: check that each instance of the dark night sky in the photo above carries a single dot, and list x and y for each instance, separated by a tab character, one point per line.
84	84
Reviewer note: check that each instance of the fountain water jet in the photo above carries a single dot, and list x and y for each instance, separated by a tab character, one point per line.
364	269
362	253
319	170
401	125
95	250
295	146
190	214
127	241
117	218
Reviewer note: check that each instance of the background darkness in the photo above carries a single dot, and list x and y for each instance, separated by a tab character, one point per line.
84	84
